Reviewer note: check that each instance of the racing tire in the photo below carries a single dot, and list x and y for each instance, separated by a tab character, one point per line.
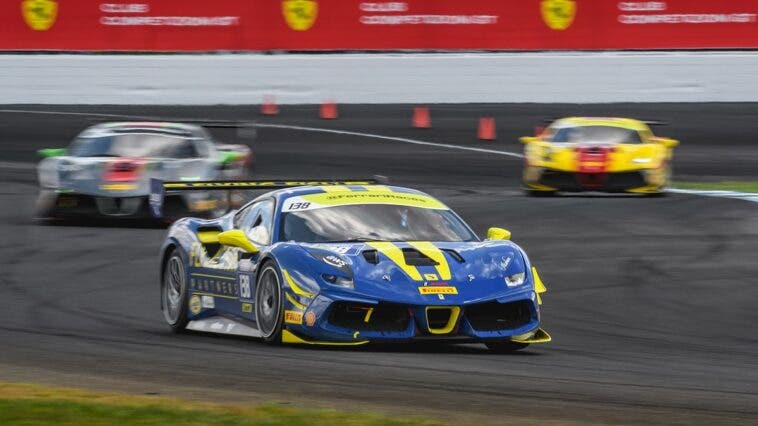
269	309
174	292
505	347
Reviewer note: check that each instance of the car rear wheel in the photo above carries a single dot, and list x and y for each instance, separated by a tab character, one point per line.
174	292
268	304
505	347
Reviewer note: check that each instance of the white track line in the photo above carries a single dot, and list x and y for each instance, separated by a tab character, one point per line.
291	127
86	114
390	138
746	196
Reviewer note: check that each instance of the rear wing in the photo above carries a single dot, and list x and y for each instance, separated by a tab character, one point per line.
159	188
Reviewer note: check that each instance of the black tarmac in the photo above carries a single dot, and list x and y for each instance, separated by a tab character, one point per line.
651	301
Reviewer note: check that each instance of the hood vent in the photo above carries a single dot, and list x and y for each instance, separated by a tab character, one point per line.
455	255
412	257
371	256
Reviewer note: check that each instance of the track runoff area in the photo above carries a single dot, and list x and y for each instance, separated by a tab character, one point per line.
648	298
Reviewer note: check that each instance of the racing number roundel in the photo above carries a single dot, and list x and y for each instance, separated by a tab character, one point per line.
558	14
39	15
300	14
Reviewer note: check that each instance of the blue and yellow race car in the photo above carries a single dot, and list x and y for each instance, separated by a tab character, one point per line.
345	263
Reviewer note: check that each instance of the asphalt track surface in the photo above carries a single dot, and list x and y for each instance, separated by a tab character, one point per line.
651	301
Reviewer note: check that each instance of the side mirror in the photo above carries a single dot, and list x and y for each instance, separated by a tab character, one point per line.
498	234
528	139
51	152
237	238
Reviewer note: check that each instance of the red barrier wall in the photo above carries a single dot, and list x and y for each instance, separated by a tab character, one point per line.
200	25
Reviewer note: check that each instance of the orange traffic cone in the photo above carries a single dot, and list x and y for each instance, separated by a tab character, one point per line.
421	118
269	106
487	129
328	110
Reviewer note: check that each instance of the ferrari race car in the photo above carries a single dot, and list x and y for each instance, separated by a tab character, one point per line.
106	170
597	154
345	263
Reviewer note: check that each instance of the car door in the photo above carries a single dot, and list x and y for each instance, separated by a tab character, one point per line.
257	222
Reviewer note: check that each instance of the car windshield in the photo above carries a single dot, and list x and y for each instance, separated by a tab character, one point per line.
374	222
134	145
596	134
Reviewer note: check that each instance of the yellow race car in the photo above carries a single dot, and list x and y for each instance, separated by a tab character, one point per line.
597	154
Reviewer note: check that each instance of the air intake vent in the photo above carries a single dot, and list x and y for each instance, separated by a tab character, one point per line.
414	257
371	256
455	255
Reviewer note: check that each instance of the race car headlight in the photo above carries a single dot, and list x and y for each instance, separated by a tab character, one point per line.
515	280
338	280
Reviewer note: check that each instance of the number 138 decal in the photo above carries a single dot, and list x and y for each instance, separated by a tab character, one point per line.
245	292
298	206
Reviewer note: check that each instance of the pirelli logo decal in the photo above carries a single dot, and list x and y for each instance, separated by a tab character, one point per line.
436	289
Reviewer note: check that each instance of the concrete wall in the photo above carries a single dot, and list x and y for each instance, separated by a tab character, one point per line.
380	78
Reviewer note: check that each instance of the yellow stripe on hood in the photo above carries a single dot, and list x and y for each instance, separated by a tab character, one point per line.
395	254
431	251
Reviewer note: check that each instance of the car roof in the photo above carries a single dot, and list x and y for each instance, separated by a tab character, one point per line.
625	123
156	127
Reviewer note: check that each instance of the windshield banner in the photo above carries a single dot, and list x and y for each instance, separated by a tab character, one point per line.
338	25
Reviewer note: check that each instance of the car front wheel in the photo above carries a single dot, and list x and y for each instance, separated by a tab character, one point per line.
268	303
174	292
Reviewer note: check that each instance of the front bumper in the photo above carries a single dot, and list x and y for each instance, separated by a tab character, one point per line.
332	321
632	181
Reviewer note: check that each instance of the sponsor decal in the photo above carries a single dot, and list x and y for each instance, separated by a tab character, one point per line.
208	302
431	277
39	15
401	13
558	14
216	288
310	318
247	308
300	15
437	289
195	305
334	261
293	317
329	199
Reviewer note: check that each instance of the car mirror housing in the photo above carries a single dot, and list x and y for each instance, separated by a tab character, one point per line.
237	238
52	152
498	234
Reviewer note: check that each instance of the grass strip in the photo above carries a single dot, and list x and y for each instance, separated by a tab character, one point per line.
737	186
23	404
